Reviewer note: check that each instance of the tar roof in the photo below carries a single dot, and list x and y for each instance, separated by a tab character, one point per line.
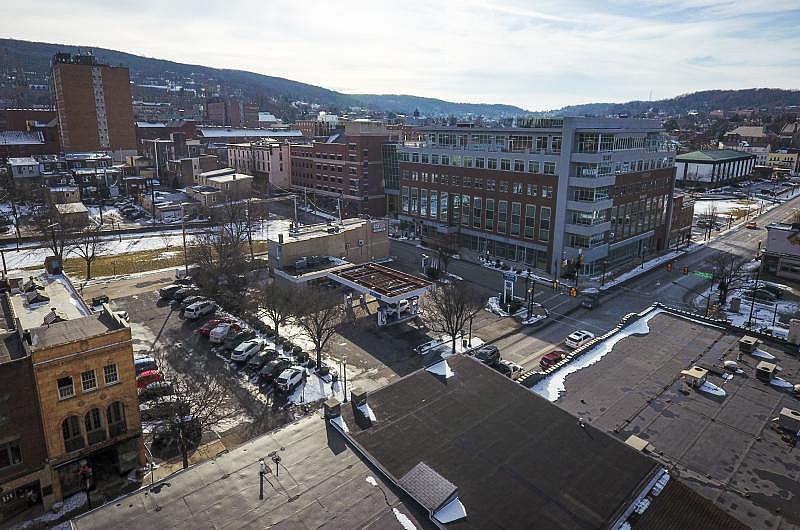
321	483
715	155
727	449
61	296
72	330
516	460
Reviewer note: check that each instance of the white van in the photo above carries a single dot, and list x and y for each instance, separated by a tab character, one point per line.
199	309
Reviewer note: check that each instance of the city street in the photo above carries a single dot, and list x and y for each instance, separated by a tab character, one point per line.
526	345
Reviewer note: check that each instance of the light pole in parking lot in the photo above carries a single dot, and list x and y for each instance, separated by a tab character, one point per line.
262	469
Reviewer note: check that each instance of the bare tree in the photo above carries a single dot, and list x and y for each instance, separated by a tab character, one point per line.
730	274
89	245
56	230
448	308
193	404
322	312
276	302
709	219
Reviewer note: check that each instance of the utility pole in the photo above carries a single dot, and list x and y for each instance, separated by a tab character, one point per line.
152	184
185	254
753	299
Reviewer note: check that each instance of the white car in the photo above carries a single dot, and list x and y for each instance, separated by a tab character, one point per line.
289	379
198	309
508	368
218	334
245	351
578	338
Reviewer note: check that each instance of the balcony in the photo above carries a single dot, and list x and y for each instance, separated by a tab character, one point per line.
590	206
587	230
592	182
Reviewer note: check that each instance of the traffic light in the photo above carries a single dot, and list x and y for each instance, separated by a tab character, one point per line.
685	271
669	267
573	291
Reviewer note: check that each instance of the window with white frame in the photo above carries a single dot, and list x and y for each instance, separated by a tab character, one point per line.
88	380
110	373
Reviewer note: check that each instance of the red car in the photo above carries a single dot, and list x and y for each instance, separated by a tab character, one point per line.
148	377
552	358
206	328
751	225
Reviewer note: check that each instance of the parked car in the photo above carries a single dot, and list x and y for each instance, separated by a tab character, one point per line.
155	390
206	328
186	280
219	333
270	371
246	350
161	408
290	379
552	358
257	361
199	309
144	364
578	338
234	339
147	377
165	434
508	368
189	300
169	291
487	354
182	293
752	225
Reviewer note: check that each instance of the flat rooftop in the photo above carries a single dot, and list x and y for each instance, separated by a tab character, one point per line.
321	483
725	448
513	459
389	285
307	232
57	288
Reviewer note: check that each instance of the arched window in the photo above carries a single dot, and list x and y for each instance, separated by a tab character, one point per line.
71	428
116	418
95	432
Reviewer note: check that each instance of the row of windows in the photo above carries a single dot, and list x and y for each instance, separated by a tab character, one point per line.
503	164
10	454
518	188
607	168
514	142
94	429
636	217
643	186
316	154
88	380
478	212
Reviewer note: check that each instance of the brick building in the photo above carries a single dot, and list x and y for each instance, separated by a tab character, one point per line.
231	112
74	370
267	160
94	106
555	194
348	168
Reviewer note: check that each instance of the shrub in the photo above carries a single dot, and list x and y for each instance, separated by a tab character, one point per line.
297	350
433	273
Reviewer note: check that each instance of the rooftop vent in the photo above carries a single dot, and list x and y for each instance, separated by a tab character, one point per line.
53	316
747	344
37	296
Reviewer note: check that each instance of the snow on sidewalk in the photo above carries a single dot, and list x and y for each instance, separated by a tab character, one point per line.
641	269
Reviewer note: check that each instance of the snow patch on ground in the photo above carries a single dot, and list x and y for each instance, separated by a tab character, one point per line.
70	504
403	519
642	268
552	386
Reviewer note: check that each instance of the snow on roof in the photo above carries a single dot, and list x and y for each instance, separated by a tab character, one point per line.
22	161
441	369
21	138
228	132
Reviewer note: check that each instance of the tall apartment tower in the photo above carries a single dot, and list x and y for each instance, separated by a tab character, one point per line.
94	104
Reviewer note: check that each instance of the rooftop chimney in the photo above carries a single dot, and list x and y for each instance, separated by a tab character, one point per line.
332	408
358	396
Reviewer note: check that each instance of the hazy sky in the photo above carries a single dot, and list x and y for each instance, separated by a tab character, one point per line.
536	54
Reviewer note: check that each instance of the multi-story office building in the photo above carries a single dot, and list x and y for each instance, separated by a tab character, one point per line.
551	194
348	168
94	106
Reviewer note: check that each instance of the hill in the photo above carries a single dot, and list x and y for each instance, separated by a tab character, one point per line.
705	101
35	57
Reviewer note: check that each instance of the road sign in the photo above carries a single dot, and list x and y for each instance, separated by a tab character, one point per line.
706	275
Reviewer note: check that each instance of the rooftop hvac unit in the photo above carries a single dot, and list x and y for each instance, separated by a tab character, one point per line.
765	371
789	419
748	344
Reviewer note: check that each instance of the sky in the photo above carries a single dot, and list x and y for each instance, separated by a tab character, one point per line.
539	55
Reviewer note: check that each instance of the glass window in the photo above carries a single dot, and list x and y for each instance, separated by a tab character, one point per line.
505	164
10	454
544	223
533	166
456	209
476	212
530	220
468	161
478	183
465	210
414	200
502	216
519	165
517	187
434	210
423	203
549	168
490	184
443	206
434	159
88	380
445	160
516	212
480	162
414	157
533	190
110	374
489	214
547	191
65	388
491	163
404	200
555	144
503	186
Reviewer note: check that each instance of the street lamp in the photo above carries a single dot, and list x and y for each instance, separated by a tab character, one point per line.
262	469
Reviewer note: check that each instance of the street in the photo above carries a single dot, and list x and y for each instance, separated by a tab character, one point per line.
526	345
